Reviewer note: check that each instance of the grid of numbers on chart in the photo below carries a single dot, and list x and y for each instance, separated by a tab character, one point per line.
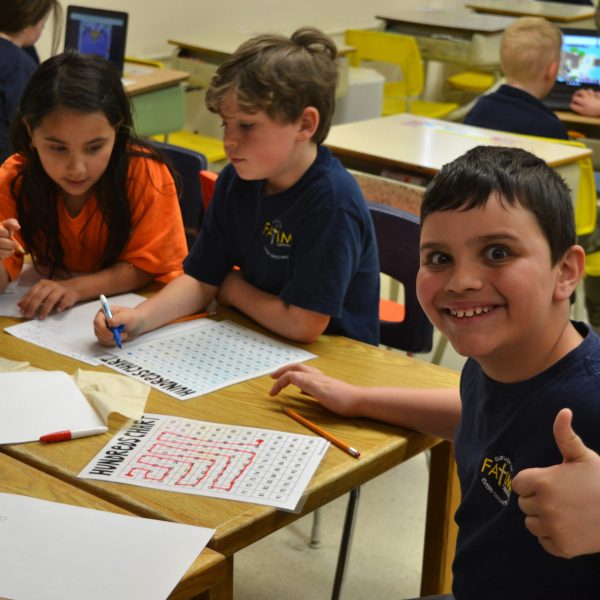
225	461
214	355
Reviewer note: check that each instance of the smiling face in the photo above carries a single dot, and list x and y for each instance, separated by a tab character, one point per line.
74	149
487	282
260	147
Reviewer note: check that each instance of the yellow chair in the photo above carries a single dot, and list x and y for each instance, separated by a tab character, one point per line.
471	81
403	52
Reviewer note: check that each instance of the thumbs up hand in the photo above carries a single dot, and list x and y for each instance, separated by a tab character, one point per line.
562	502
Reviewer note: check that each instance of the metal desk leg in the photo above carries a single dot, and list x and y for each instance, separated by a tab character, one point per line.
315	532
345	543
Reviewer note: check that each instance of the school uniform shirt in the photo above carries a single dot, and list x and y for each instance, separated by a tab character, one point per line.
514	110
157	244
505	428
16	68
313	245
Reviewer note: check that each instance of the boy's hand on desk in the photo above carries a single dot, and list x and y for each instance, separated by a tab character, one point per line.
45	296
133	325
337	396
586	102
562	502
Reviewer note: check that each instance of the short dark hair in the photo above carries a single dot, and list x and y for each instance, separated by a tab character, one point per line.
16	15
516	177
281	76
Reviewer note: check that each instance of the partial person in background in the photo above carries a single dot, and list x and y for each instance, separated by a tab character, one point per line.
587	102
529	59
21	25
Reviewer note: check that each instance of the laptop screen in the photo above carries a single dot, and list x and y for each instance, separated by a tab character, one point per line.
97	31
580	59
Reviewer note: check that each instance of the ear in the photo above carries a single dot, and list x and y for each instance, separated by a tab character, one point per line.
29	132
571	269
552	71
309	121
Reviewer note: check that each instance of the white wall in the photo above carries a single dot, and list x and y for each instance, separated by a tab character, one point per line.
152	22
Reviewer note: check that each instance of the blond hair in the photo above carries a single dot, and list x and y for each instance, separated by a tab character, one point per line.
528	46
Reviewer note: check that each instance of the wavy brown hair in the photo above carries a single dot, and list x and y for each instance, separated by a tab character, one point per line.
281	76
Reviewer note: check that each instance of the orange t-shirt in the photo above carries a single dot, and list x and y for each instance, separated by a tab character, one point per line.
157	244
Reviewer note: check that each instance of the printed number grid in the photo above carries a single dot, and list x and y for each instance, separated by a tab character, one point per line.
247	464
209	357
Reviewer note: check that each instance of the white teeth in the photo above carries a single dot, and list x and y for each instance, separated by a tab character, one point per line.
469	312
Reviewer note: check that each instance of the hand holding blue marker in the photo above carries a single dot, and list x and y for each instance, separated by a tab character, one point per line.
116	331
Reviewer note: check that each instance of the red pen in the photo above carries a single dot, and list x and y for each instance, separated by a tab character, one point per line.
68	434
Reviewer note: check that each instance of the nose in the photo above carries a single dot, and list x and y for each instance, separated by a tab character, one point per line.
464	276
229	139
76	165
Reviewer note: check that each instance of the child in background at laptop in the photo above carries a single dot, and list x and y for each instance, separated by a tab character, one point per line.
285	211
21	24
529	59
95	207
499	265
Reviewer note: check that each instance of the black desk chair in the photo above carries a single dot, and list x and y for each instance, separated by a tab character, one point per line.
187	165
398	245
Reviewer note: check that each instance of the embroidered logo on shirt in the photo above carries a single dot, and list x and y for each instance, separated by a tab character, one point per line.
496	477
279	242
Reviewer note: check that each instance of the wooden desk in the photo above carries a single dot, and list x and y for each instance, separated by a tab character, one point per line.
422	146
239	524
157	98
455	36
206	572
553	11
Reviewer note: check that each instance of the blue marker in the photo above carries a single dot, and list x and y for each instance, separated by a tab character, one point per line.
116	331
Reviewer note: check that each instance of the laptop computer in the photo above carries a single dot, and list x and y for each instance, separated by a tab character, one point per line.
579	67
97	31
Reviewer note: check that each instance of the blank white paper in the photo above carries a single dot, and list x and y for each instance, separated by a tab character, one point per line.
55	551
34	403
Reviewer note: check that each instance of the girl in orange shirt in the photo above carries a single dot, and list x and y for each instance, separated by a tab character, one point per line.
95	206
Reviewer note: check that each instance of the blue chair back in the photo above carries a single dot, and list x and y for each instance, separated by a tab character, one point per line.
187	165
398	244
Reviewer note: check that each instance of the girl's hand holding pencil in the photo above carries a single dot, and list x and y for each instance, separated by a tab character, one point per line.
8	245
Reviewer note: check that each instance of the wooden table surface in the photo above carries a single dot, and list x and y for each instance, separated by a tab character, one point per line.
141	80
553	11
239	524
207	571
424	145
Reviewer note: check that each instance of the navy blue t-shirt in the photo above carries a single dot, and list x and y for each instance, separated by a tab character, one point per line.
505	428
16	68
514	110
313	245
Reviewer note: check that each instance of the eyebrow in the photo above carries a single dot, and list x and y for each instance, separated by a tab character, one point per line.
51	138
480	239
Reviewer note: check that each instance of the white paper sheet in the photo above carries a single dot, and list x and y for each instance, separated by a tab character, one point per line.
186	360
70	332
16	290
247	464
35	403
56	551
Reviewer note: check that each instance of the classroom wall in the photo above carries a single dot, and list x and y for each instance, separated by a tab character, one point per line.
152	22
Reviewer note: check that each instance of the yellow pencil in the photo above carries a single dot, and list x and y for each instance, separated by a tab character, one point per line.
328	436
20	248
193	317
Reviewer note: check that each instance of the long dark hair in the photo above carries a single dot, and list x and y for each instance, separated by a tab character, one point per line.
85	84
